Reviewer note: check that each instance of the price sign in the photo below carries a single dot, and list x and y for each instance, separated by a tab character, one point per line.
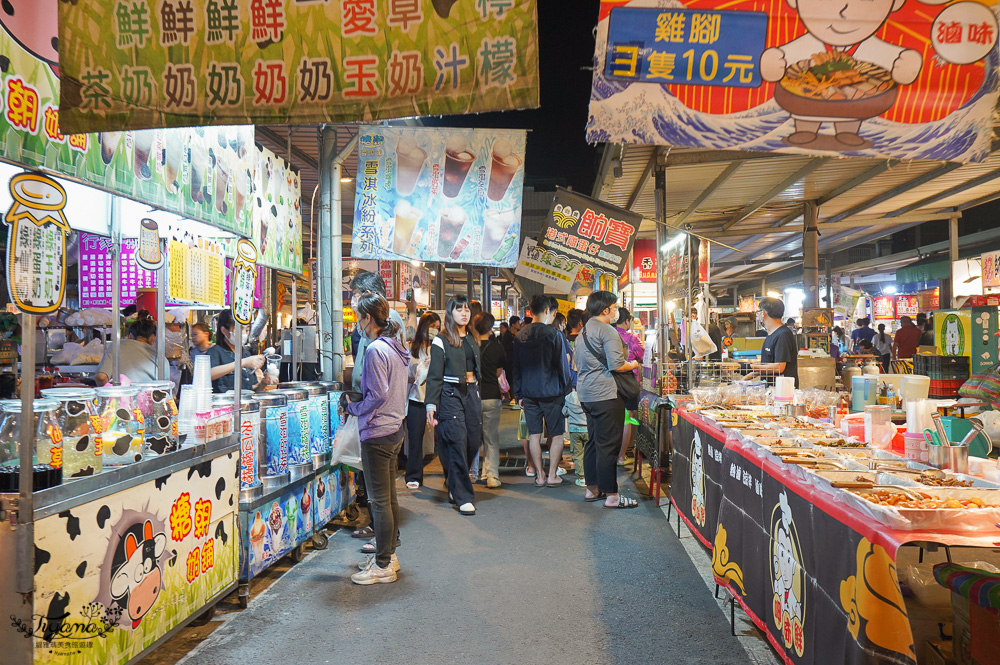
36	251
244	280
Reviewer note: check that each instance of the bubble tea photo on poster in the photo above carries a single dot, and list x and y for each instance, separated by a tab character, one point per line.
503	167
407	218
409	162
109	145
450	226
458	160
143	143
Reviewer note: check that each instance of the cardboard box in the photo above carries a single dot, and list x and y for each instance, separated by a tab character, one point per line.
939	653
976	633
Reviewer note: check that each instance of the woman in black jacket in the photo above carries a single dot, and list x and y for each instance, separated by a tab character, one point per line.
453	403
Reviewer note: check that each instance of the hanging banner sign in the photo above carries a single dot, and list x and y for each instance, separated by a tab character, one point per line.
439	195
150	255
884	307
556	272
590	231
704	257
796	77
277	214
244	281
36	245
643	263
907	306
172	63
674	267
991	270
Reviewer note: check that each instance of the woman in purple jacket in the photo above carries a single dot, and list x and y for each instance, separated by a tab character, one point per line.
633	351
380	422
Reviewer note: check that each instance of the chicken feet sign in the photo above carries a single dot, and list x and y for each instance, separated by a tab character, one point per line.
907	79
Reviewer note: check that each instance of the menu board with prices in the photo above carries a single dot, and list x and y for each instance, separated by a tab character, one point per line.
196	275
97	275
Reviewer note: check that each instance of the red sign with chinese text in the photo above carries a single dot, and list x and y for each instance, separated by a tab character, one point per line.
885	307
907	306
643	263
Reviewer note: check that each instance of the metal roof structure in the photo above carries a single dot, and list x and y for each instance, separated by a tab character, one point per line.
753	201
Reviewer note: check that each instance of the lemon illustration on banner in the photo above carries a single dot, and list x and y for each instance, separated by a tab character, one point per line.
244	281
36	253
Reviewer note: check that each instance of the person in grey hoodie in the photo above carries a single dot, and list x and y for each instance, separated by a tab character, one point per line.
380	416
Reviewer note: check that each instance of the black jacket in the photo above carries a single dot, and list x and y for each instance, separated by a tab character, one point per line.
448	366
539	366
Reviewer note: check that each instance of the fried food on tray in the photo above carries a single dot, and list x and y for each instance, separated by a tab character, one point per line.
836	76
884	497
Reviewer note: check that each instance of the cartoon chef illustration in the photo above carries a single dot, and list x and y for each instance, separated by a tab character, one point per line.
136	577
786	576
838	72
697	481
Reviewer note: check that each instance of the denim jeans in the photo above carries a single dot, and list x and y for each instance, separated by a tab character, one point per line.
492	408
379	458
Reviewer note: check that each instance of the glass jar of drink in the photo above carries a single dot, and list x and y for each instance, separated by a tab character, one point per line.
122	424
47	434
81	430
159	413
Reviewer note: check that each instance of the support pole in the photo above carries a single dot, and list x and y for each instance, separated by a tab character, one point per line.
948	299
162	372
487	290
470	283
331	355
26	501
662	315
829	281
294	352
275	330
439	299
689	300
116	288
810	254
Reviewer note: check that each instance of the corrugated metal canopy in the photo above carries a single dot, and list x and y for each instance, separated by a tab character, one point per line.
753	201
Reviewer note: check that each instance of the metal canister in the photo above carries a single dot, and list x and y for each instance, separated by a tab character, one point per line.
319	414
334	389
249	433
81	429
298	426
159	412
272	448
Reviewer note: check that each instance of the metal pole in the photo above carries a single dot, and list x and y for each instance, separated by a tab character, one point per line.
487	290
116	288
328	349
952	257
333	219
687	315
662	314
439	301
161	321
26	503
829	281
810	253
238	372
470	283
294	351
275	329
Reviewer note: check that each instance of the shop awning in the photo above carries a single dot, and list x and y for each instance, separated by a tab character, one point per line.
924	271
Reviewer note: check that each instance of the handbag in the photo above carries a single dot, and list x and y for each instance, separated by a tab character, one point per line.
628	385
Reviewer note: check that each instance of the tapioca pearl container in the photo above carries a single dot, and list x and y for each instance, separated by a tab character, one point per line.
81	429
122	425
159	410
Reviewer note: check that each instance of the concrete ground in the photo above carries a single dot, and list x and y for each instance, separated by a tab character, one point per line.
537	576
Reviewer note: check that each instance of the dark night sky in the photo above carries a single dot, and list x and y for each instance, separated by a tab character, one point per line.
558	153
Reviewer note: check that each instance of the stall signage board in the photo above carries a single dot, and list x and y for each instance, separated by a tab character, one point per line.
555	272
991	270
277	214
196	276
698	466
36	249
385	271
786	77
439	195
674	267
97	276
643	262
244	282
590	232
884	307
131	567
302	62
907	306
417	280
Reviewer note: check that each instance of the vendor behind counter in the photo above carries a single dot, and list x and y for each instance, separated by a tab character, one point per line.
223	357
136	354
780	352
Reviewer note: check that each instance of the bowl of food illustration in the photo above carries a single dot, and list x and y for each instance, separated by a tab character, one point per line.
836	85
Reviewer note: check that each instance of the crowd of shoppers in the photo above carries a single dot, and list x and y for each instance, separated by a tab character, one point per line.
452	375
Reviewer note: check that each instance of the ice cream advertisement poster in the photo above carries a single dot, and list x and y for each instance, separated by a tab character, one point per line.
903	79
277	214
278	526
439	195
138	64
114	575
199	173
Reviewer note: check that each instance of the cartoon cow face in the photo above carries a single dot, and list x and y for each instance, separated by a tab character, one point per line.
136	580
33	24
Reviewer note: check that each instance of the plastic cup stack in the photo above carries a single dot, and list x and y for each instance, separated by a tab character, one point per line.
202	384
186	410
918	415
784	389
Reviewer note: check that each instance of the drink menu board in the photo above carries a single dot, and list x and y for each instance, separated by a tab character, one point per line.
97	276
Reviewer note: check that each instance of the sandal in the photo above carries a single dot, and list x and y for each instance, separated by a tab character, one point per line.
368	548
540	484
557	483
596	497
365	533
624	502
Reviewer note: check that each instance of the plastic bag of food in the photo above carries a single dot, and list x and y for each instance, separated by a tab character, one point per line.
68	353
90	354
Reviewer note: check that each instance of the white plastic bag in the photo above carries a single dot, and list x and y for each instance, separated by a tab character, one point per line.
347	444
700	340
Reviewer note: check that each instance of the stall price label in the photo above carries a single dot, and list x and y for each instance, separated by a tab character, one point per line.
36	253
244	281
695	47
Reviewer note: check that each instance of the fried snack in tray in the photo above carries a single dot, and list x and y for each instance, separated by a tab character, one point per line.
947	481
836	76
836	443
895	499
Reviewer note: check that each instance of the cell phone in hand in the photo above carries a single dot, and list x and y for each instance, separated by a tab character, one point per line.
409	294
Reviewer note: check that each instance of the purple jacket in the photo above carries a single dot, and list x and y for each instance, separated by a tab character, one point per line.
383	389
635	350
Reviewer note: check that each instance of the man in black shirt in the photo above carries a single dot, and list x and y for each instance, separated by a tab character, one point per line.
780	352
507	342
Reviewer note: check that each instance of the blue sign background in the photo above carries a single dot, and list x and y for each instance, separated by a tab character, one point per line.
686	46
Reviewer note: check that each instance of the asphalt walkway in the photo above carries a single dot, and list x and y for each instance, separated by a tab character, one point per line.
537	576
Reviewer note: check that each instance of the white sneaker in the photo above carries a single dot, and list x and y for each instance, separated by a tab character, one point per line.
467	509
393	563
374	575
493	483
412	485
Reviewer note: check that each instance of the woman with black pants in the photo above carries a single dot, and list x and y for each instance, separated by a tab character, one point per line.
453	403
416	418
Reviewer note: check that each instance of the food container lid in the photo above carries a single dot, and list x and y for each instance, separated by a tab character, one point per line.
247	404
117	391
270	400
294	394
68	394
332	386
155	385
38	406
312	387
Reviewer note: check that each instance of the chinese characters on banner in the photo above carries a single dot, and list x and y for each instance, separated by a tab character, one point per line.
244	281
885	307
277	214
776	76
195	275
907	306
991	270
439	195
556	272
36	245
165	63
96	273
704	258
386	273
674	267
643	263
582	231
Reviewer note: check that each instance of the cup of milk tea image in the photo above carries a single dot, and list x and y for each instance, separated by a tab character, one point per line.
173	152
109	145
450	226
407	218
143	141
504	164
457	161
409	161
